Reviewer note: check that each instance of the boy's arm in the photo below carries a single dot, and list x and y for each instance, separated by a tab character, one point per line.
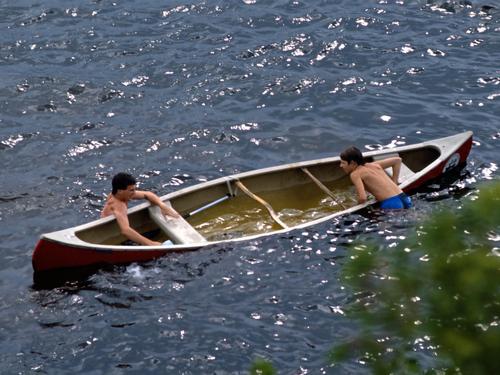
360	187
154	199
395	163
130	233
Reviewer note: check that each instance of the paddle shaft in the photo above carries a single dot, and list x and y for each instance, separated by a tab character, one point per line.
323	187
262	202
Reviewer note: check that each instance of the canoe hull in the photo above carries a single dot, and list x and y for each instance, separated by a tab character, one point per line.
63	250
453	161
53	255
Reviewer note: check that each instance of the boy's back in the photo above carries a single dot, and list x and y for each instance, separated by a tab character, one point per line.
376	181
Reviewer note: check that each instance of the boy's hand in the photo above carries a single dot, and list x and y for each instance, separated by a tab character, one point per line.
170	212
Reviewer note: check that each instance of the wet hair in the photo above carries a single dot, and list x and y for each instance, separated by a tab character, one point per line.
121	181
352	154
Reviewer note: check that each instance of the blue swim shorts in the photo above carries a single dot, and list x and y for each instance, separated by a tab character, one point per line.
396	202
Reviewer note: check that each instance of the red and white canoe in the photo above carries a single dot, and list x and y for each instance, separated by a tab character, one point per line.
242	207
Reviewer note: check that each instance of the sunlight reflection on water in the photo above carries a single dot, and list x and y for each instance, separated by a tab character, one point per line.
183	94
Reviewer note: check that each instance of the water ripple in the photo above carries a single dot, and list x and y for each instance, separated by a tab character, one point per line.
180	94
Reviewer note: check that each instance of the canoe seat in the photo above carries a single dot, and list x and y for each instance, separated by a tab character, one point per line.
404	173
178	230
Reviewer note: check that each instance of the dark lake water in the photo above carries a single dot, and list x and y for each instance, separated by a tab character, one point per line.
180	92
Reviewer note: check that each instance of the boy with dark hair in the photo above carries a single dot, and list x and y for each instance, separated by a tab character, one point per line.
352	154
371	177
123	185
120	182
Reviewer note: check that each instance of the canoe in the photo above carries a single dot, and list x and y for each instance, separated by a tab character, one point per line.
242	207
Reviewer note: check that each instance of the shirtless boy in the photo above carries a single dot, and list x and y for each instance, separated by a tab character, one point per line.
124	190
371	177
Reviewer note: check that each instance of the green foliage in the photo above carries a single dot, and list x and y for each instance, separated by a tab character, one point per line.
437	292
262	367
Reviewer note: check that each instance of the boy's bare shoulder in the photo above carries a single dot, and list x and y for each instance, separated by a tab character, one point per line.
360	171
118	205
355	173
112	206
373	165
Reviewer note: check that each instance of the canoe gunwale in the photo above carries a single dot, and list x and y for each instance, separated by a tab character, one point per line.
446	147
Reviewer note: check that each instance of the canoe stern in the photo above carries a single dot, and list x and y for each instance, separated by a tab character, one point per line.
50	255
450	160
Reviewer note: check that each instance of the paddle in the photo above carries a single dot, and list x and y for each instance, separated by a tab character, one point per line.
323	187
261	201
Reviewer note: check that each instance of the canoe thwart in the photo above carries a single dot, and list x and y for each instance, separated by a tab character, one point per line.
177	229
208	205
323	187
273	214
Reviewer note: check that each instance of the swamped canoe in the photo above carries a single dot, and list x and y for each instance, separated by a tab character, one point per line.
243	206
